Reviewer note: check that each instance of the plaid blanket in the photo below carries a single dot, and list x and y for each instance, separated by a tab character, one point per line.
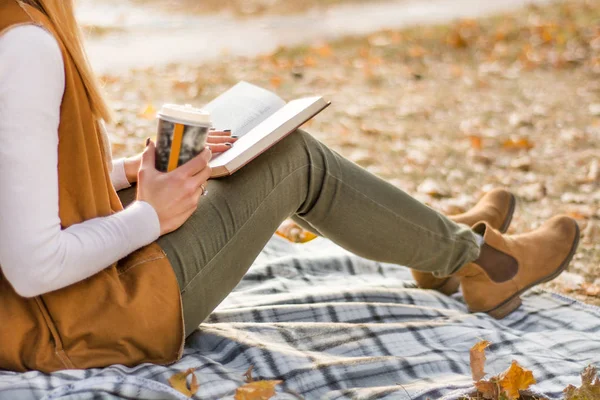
332	325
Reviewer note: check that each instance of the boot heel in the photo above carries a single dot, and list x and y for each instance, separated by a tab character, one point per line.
506	308
450	286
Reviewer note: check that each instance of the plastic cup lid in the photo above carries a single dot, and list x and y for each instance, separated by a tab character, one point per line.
185	114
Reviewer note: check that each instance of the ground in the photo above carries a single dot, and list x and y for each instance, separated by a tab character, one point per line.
245	8
444	112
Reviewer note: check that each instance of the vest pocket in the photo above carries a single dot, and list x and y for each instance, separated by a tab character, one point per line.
58	346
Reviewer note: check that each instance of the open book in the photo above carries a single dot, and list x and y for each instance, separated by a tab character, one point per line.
259	118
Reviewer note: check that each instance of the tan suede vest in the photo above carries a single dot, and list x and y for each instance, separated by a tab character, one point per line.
129	313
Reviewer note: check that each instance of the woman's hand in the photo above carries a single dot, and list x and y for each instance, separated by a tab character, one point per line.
217	141
132	166
220	141
174	195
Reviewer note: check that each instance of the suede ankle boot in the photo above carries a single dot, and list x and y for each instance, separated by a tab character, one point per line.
496	208
509	265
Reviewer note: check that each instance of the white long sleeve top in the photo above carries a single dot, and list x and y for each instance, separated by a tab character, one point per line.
36	255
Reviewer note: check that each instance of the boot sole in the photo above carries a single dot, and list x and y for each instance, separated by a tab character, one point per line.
512	303
451	285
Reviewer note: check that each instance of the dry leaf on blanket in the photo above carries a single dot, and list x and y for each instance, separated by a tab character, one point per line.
488	390
179	383
514	379
259	390
590	386
478	359
248	375
294	233
505	386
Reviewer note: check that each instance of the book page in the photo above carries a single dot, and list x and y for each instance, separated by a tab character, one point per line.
292	115
242	108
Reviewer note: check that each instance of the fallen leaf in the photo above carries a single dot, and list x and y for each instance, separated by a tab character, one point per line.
276	81
476	142
517	144
477	354
591	289
294	233
259	390
324	51
489	390
590	386
149	112
179	383
248	375
514	379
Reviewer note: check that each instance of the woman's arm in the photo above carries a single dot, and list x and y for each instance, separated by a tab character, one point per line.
118	175
36	255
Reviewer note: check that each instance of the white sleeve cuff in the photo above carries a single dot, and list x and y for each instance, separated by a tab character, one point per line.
142	221
118	176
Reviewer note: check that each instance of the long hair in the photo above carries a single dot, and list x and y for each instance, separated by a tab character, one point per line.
62	15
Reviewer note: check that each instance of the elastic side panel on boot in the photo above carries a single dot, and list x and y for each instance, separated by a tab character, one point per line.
499	266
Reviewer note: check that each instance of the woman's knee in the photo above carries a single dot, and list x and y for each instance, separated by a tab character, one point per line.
300	144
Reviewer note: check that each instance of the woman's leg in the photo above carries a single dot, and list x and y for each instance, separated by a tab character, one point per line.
301	177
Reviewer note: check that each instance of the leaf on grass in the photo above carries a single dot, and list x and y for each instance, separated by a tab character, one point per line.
590	386
590	289
276	81
477	354
514	379
324	51
476	142
517	144
259	390
179	382
149	112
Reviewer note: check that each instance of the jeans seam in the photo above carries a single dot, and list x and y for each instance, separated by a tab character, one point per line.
397	215
207	269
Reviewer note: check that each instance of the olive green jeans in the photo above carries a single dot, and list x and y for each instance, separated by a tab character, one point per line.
302	178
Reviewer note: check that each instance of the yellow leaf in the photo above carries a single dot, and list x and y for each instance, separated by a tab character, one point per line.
149	112
456	40
477	354
514	379
476	142
259	390
324	51
179	382
276	81
517	144
294	233
309	61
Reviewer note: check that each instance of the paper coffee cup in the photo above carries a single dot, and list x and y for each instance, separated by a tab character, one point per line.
182	134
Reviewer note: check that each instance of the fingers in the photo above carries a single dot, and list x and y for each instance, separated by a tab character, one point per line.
147	164
221	139
219	148
196	164
148	156
219	133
